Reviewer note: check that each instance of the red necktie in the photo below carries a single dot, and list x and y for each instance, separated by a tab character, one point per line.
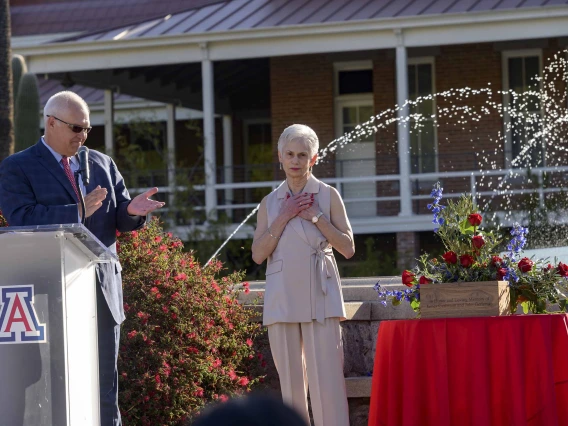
69	173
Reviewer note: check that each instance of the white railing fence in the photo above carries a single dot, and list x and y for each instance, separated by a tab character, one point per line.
484	184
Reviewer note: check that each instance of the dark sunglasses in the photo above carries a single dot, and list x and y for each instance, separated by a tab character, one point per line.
74	128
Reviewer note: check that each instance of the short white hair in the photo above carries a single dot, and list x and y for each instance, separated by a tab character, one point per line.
299	131
61	101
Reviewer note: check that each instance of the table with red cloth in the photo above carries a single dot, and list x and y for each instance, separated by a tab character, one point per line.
493	371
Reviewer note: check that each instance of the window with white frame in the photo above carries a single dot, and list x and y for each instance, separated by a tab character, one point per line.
524	145
423	136
353	106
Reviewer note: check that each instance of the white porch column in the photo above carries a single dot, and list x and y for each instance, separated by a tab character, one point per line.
171	147
403	126
109	122
209	133
228	158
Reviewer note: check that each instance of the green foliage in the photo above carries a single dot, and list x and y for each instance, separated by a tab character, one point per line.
140	146
27	119
375	263
186	340
457	232
539	288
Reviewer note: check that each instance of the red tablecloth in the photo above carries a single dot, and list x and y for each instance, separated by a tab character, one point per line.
496	371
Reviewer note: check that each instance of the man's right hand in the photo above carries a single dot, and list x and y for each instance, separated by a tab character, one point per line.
94	200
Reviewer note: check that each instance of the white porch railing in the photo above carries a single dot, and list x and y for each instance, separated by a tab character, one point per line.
470	182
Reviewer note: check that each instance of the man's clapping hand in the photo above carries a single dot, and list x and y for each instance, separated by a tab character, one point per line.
94	200
141	205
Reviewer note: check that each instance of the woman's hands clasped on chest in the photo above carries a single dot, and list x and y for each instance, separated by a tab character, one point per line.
311	211
294	205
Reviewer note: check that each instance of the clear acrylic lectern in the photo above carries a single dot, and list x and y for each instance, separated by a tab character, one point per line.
48	325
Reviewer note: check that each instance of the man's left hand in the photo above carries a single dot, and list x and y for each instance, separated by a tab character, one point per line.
141	205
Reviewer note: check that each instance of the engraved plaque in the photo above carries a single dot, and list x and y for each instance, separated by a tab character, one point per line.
464	299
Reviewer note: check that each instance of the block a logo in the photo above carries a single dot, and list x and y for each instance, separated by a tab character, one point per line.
18	318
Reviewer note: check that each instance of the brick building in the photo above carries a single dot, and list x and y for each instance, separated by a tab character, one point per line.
246	69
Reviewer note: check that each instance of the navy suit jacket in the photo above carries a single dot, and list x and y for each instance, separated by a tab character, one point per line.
34	190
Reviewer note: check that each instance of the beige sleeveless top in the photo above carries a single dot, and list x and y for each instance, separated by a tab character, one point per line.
302	280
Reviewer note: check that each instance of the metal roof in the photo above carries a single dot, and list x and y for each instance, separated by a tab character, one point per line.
231	15
50	87
92	15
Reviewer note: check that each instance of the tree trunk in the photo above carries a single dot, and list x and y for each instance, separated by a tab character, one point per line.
6	95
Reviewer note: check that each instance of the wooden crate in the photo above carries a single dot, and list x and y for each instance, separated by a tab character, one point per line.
466	299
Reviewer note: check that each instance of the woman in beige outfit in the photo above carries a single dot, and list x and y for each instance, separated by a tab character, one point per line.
298	224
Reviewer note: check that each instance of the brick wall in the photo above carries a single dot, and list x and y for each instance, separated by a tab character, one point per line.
475	66
556	145
408	249
302	93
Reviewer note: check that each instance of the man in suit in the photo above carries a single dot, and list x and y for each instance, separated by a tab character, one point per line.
37	188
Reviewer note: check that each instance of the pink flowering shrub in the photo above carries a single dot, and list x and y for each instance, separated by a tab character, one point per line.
186	340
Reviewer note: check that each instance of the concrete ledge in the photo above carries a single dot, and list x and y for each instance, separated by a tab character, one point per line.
358	387
361	300
358	311
363	311
354	289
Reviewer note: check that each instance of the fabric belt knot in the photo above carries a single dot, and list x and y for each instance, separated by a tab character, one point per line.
323	267
69	174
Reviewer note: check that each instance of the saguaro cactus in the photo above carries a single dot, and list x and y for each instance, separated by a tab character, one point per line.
26	104
19	68
27	120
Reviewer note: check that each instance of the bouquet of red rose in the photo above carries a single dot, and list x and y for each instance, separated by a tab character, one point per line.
472	254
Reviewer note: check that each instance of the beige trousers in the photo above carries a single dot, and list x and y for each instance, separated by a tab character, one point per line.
310	352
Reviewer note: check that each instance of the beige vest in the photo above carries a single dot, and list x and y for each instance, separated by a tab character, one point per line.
302	280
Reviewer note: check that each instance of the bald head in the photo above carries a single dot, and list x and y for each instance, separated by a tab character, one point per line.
63	113
62	102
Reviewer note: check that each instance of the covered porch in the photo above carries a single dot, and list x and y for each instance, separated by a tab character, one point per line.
217	59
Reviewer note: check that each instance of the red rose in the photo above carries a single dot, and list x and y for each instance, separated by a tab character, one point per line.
525	264
474	219
466	260
450	257
501	272
478	241
424	280
562	269
407	278
496	261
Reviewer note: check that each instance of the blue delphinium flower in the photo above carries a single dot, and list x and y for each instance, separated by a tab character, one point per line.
511	275
399	295
518	241
515	247
435	207
383	294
